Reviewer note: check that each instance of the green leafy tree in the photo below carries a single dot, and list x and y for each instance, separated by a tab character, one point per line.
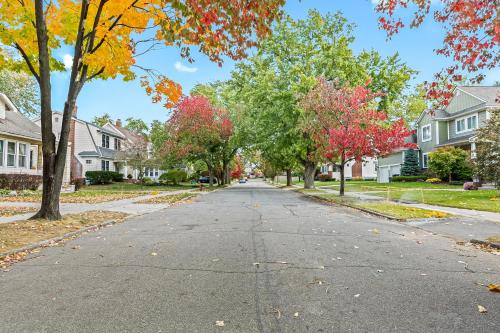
102	120
137	125
487	161
22	90
449	163
409	106
411	165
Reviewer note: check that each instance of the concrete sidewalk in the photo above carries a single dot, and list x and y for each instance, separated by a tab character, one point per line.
126	206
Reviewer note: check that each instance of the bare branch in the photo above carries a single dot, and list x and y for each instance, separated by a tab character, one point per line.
28	62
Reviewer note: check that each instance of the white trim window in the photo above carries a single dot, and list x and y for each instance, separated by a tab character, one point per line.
105	141
1	152
22	153
426	133
11	154
425	160
466	124
104	165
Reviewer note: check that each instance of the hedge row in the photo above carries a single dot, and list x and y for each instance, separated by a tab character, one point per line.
409	178
103	177
18	182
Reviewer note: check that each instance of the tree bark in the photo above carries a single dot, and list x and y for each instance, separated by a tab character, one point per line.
210	175
342	178
288	177
309	173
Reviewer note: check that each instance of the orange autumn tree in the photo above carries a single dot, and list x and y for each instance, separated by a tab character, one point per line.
108	36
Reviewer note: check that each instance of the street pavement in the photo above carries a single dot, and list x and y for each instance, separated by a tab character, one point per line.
253	258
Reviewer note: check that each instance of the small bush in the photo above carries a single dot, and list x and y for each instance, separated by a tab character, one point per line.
129	176
324	177
174	176
103	177
408	178
457	182
433	180
470	186
147	181
78	182
16	182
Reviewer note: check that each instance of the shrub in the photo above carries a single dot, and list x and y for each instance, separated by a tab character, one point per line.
129	176
103	177
147	181
468	186
408	178
457	182
174	176
324	177
16	182
78	182
450	163
433	180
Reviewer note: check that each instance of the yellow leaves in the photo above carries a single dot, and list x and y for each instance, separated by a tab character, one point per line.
436	214
494	287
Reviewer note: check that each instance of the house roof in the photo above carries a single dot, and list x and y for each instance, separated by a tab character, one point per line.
88	154
457	140
16	124
106	152
488	94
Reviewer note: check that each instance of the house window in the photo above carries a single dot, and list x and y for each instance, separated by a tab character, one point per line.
105	141
425	160
466	124
22	155
157	173
1	153
89	161
118	144
11	154
426	133
105	165
32	159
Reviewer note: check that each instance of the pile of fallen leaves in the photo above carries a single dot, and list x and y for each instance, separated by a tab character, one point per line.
22	233
167	199
89	197
6	211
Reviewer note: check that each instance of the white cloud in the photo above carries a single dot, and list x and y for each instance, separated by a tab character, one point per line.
68	61
182	68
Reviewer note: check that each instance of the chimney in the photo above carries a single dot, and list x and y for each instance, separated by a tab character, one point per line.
118	123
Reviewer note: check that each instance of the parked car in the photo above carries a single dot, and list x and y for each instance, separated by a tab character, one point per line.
242	181
206	180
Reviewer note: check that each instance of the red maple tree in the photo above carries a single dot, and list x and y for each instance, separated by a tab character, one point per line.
197	130
471	39
346	126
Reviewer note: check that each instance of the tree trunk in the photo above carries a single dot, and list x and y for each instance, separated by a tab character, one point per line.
211	176
342	178
288	177
309	173
228	174
449	178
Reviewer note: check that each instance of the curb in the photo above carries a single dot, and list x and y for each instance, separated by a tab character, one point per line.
490	244
57	239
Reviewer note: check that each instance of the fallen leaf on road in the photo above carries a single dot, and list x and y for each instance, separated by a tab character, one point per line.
420	242
219	323
423	274
356	247
481	309
380	270
76	247
154	254
256	264
357	295
494	287
375	231
296	314
215	260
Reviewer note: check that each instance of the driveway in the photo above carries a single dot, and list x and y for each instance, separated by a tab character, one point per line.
253	259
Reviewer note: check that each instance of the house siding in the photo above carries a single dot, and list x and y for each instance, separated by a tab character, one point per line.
462	101
396	158
481	120
428	145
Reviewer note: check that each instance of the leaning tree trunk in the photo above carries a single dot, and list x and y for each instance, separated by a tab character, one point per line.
211	176
288	177
309	173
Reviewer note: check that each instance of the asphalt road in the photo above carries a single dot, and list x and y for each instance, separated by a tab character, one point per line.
260	260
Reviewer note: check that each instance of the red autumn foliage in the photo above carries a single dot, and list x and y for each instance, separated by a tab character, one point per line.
471	40
345	126
237	170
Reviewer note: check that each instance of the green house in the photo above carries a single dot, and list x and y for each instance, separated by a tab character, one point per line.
468	110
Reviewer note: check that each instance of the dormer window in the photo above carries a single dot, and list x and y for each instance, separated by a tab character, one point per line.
105	141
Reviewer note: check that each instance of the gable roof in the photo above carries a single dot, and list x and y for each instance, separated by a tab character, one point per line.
133	137
16	124
488	94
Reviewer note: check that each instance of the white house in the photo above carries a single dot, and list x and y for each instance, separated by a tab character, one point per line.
91	147
20	141
365	169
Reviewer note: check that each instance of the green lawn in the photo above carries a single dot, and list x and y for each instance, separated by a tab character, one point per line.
370	186
486	200
387	208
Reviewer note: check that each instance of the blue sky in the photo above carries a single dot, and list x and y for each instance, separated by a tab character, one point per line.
126	99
